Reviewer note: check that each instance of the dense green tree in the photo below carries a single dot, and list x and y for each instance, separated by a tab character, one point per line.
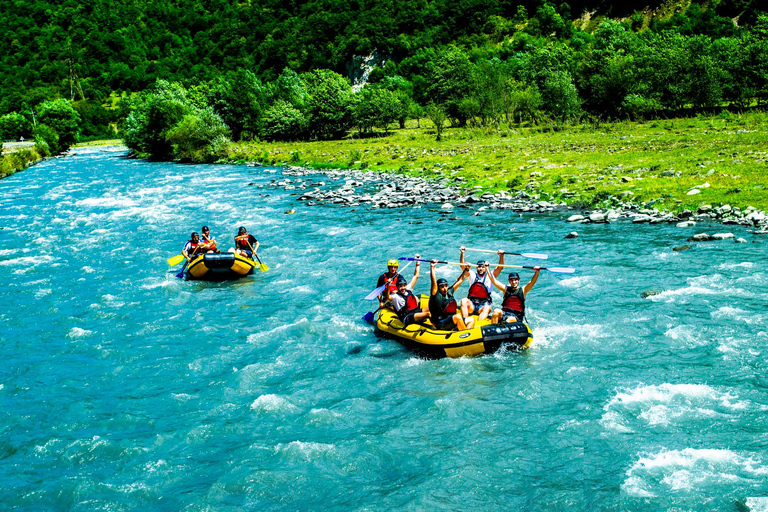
155	113
451	79
62	118
377	107
330	106
14	125
282	121
239	98
197	136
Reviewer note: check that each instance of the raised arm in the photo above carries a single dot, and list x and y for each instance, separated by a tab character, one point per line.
496	282
462	249
433	288
462	276
415	272
533	280
497	271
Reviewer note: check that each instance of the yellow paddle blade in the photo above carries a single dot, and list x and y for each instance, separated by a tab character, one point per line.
263	267
176	259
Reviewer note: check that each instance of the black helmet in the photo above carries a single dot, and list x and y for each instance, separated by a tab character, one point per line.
442	281
205	228
194	234
400	280
241	229
514	275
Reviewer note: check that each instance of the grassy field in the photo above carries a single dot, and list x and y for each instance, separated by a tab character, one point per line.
658	162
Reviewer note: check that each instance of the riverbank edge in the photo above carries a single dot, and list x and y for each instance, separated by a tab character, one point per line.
400	191
17	161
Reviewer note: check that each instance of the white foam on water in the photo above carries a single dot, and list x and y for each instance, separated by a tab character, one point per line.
660	405
332	231
758	504
276	332
77	332
730	266
690	335
106	201
578	282
306	452
689	471
88	270
28	260
42	292
272	404
548	335
731	313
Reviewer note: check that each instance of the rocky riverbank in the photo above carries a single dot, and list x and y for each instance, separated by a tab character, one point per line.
354	188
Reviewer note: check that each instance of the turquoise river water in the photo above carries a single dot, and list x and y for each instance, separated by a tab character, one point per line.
124	388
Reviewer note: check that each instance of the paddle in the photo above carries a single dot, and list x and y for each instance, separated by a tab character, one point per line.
262	267
532	255
558	270
378	291
175	260
191	257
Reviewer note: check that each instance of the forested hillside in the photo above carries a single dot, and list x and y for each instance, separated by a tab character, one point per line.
474	60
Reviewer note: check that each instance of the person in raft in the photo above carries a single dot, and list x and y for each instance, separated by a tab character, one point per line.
245	245
193	247
478	299
209	242
388	277
442	306
404	302
513	303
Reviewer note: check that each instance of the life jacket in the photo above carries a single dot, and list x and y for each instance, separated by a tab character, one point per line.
241	241
449	309
193	247
411	303
392	286
208	244
478	290
513	300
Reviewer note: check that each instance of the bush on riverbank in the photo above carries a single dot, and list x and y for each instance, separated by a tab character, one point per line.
17	161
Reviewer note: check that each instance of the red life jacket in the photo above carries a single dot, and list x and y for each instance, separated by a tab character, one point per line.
411	303
193	247
392	285
449	309
513	300
478	290
241	242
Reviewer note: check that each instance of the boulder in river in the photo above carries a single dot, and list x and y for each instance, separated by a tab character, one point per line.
700	237
649	293
681	248
572	234
576	218
723	236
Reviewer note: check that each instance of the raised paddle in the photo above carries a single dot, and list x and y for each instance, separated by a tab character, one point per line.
532	255
262	267
378	291
557	270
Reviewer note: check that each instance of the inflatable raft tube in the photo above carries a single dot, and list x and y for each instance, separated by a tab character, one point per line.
220	267
484	338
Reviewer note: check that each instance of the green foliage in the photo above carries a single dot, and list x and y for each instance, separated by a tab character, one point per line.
378	107
331	103
153	115
437	115
46	138
59	116
14	125
559	96
282	121
197	136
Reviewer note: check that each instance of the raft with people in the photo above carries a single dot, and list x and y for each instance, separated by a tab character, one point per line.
483	338
439	325
204	261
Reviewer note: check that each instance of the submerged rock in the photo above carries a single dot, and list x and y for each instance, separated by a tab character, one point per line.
681	248
649	293
572	234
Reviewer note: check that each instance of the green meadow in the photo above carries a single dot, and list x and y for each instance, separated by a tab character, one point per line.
655	163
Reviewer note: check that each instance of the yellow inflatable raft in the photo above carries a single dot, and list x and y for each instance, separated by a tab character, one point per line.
484	338
220	267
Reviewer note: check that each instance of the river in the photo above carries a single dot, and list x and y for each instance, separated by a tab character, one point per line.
124	388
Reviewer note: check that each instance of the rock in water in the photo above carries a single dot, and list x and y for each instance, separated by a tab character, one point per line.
649	293
572	234
682	248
